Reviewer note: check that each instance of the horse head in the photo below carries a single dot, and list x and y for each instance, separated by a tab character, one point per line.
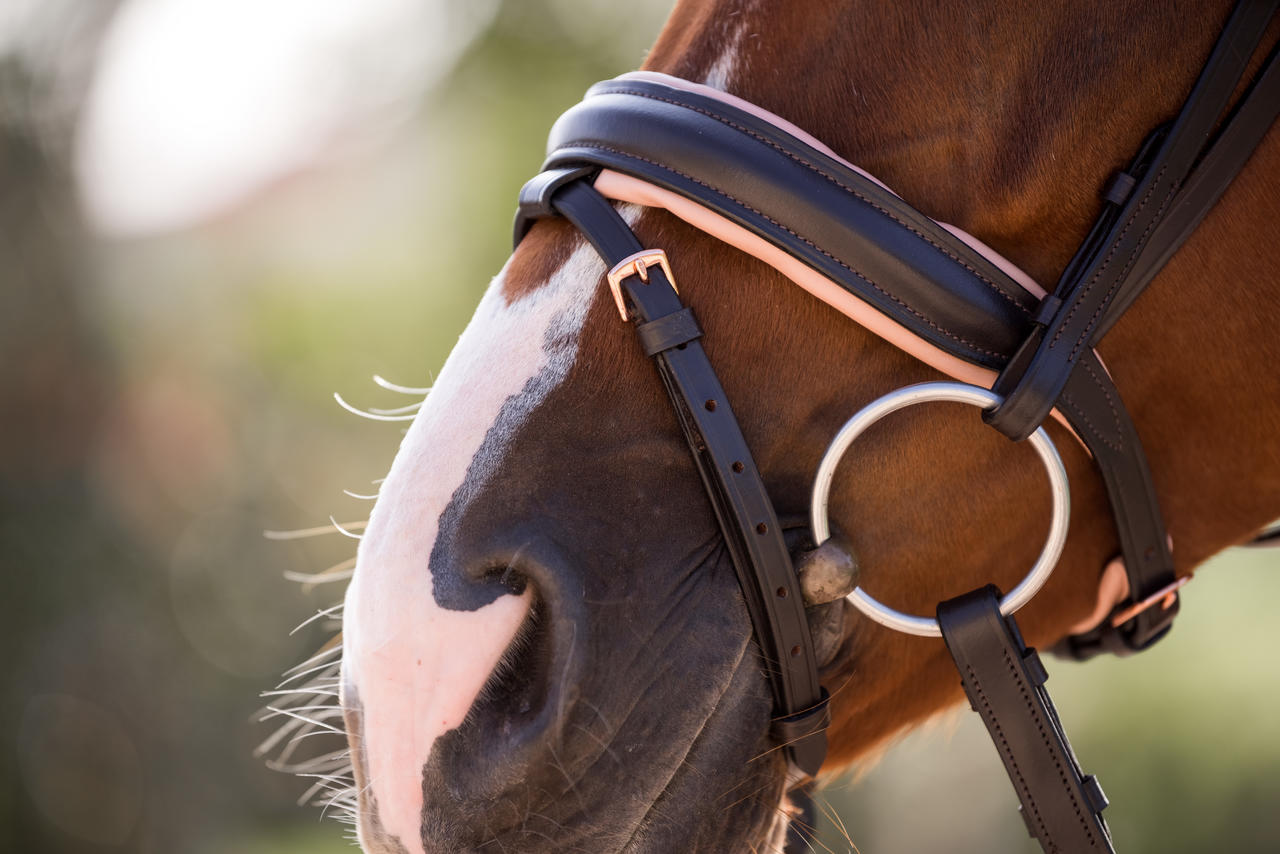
546	647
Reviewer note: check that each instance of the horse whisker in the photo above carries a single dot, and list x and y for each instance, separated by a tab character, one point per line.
834	817
346	531
318	724
337	572
329	650
303	533
399	410
321	668
303	692
357	495
372	416
390	386
325	612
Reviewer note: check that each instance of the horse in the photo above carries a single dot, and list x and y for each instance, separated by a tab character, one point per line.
546	646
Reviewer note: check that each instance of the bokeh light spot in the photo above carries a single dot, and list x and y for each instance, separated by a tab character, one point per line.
80	768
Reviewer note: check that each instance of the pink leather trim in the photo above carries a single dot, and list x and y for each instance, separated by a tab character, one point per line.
624	188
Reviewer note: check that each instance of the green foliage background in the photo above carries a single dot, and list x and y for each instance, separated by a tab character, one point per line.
165	400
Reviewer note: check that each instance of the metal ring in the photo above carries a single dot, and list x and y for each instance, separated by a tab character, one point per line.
956	393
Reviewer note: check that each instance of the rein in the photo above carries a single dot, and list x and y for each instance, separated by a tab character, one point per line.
751	178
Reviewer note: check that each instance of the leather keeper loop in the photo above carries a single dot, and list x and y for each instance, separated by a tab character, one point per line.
804	733
668	331
1026	407
1048	309
536	195
1120	188
1093	793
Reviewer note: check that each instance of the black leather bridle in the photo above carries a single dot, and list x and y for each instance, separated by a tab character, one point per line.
873	244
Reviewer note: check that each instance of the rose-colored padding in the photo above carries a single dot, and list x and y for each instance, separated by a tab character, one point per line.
624	188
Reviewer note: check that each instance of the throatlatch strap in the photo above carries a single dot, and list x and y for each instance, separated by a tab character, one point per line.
1004	681
733	484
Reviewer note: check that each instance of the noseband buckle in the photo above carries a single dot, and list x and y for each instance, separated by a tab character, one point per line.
637	264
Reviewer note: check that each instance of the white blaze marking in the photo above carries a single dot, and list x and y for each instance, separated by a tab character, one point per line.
418	667
726	65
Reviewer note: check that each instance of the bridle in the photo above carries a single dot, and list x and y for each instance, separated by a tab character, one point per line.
750	171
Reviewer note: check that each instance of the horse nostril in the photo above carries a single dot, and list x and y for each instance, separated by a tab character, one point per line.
517	687
539	663
507	576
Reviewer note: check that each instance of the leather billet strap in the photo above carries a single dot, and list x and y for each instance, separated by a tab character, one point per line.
1004	681
1092	404
753	536
873	244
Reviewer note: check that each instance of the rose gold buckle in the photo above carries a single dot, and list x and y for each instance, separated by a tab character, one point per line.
1166	596
637	264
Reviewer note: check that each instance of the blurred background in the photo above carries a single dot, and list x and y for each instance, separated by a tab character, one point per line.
215	215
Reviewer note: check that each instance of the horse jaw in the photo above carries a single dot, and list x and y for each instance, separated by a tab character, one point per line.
411	667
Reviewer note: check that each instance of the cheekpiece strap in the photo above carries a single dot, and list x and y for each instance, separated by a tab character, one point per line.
1176	177
669	334
1150	209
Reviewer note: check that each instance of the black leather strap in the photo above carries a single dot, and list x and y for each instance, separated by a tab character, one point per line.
1093	406
670	330
1167	190
1234	145
1004	681
1100	280
733	484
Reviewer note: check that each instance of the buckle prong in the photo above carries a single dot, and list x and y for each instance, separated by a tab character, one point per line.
637	264
1165	596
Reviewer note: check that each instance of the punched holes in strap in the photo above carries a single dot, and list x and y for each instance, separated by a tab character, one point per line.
738	497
